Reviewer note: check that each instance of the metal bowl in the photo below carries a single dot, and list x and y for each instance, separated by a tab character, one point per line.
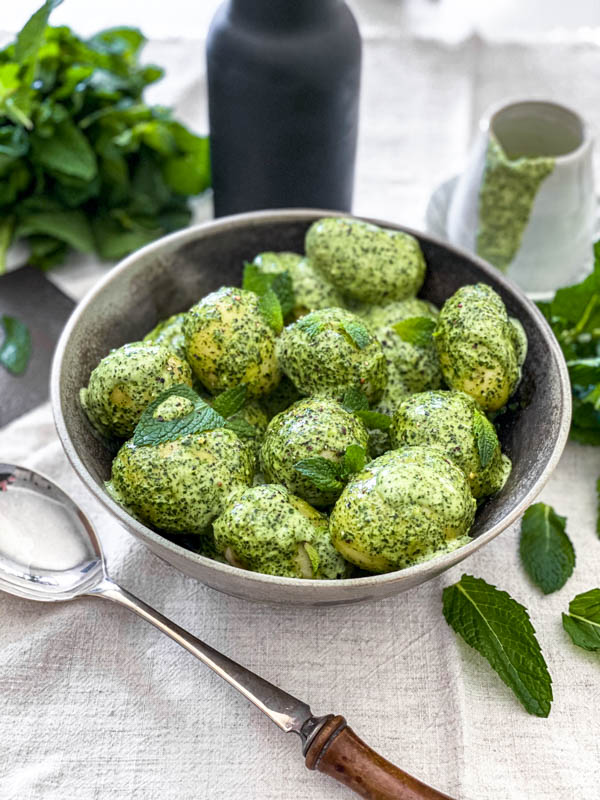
171	274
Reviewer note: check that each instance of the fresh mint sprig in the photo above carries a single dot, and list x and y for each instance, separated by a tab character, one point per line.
499	628
15	345
330	476
280	283
546	551
486	438
356	403
582	623
417	331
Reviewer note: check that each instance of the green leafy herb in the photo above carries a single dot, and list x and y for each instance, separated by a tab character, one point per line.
374	420
355	400
321	472
84	162
499	628
357	333
153	430
598	507
417	331
486	438
574	316
311	327
313	555
270	308
15	347
328	475
582	623
242	428
230	401
259	282
546	551
355	458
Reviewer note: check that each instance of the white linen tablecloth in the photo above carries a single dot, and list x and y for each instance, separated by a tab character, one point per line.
95	704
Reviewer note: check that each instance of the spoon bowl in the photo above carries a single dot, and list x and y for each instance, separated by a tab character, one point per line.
58	561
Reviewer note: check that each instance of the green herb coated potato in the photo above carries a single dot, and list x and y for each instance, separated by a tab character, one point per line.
365	262
319	355
447	421
266	529
480	350
317	426
228	342
254	414
126	381
169	333
405	507
311	290
182	485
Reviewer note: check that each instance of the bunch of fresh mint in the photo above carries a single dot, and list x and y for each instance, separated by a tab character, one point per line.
84	162
574	315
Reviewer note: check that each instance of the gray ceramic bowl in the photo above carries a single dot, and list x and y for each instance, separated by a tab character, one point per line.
171	274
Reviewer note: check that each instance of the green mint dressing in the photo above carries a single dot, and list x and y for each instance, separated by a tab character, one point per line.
506	196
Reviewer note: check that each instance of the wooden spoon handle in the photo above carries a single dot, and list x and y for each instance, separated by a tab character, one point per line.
337	751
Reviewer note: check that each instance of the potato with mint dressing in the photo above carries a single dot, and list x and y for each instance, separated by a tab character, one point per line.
228	341
330	351
481	350
180	486
311	290
126	381
267	529
451	422
317	426
365	262
169	333
405	507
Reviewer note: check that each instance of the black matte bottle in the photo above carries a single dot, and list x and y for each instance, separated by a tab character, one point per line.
283	90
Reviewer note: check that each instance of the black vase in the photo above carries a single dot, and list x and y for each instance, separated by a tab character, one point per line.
283	90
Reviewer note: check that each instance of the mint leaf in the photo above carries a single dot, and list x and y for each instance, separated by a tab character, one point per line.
255	280
311	327
598	507
152	430
242	428
417	331
582	623
355	400
321	472
270	308
374	420
259	282
486	437
67	151
585	371
355	459
546	551
15	348
499	628
313	556
31	34
230	401
358	334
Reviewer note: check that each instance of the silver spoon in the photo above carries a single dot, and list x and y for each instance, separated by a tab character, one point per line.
49	551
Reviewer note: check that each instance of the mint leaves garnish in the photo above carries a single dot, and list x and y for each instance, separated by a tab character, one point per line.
546	551
313	555
582	623
356	403
15	346
230	401
486	437
270	308
330	476
153	429
280	283
321	472
417	331
310	325
355	400
499	628
357	333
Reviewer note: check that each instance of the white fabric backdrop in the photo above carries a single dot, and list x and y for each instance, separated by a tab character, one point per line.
95	704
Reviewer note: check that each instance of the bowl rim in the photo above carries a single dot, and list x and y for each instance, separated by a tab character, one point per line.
144	533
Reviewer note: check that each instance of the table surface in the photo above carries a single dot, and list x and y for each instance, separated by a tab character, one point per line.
96	704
